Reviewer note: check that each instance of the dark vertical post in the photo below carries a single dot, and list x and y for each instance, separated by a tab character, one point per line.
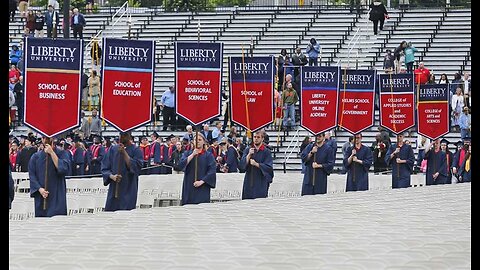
66	18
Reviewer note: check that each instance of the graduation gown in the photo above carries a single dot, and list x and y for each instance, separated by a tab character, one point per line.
232	159
57	197
401	172
436	162
165	159
79	160
128	186
97	151
206	171
449	156
325	156
11	188
257	180
465	176
357	174
155	157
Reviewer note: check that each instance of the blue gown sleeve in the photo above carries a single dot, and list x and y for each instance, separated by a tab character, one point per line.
106	168
136	161
304	155
345	158
391	149
211	177
328	166
266	167
63	163
410	159
368	159
32	174
183	160
243	162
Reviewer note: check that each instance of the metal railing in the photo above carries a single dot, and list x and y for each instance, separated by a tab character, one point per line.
293	145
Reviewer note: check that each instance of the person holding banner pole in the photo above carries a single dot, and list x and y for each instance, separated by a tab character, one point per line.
200	176
47	169
401	158
319	161
436	164
357	160
257	163
120	169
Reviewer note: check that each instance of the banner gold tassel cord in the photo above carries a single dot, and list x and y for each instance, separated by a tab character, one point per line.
344	93
393	108
248	133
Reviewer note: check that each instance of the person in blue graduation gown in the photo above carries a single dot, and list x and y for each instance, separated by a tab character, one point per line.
196	190
449	155
155	154
436	164
121	167
258	165
79	159
232	157
465	170
56	167
97	153
165	157
357	161
401	159
319	159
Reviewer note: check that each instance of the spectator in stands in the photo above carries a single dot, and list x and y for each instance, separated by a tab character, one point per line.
456	82
444	147
378	13
30	24
13	77
330	141
401	159
89	6
465	170
70	13
13	156
216	132
39	23
23	7
458	103
313	51
465	123
410	56
19	89
443	79
94	90
422	74
398	53
467	101
52	20
95	124
280	63
97	153
51	197
289	98
388	61
232	156
15	54
11	102
298	60
233	132
54	3
200	175
436	164
167	105
206	132
319	160
26	154
379	149
77	23
431	79
12	7
357	161
466	82
257	163
305	143
189	135
120	169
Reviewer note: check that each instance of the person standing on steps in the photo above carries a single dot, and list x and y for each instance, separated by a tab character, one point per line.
378	13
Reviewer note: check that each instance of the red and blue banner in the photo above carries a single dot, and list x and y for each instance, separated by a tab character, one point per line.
432	110
356	106
198	80
53	69
251	91
127	82
319	98
397	102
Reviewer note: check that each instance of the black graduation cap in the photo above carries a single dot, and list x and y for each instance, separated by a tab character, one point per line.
444	141
230	140
467	139
155	134
31	139
97	136
458	143
170	136
23	136
222	142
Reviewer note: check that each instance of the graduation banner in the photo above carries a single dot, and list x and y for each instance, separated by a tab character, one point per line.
356	106
127	82
432	110
319	98
198	80
251	91
397	102
52	80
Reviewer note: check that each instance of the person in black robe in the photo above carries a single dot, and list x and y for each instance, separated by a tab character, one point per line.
436	164
26	154
319	160
258	165
52	163
465	170
11	188
449	156
459	156
357	161
231	157
200	172
401	159
97	153
120	169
